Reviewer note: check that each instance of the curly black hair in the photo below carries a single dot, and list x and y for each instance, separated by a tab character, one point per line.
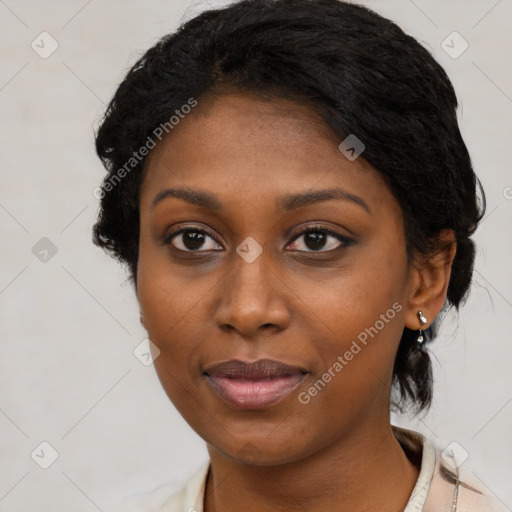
361	73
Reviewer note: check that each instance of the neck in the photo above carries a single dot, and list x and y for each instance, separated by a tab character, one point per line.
364	470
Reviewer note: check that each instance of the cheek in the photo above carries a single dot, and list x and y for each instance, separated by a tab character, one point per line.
360	318
169	317
169	320
351	300
167	313
166	302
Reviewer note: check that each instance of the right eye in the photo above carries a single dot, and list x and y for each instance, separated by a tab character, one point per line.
191	240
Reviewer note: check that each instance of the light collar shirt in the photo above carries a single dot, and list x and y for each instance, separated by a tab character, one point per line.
442	484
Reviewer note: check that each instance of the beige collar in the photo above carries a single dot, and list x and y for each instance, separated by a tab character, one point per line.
439	488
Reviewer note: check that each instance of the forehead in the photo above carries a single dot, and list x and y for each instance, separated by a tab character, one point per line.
240	120
242	147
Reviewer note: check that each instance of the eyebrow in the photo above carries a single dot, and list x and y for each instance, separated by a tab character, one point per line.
286	203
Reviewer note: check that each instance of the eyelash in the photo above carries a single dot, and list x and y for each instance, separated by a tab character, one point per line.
345	241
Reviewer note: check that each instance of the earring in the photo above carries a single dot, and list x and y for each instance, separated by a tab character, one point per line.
423	321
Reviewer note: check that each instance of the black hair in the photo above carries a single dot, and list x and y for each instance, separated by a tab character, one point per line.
361	73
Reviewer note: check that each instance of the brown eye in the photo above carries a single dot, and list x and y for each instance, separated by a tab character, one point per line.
318	238
192	240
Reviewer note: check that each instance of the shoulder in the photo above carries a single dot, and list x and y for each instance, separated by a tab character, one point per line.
455	490
167	498
444	482
190	497
460	489
454	487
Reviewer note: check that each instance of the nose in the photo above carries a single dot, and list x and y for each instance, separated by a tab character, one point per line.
252	299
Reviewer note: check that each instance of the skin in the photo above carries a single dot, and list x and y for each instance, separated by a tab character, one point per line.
300	305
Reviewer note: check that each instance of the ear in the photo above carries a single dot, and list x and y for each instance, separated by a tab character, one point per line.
428	281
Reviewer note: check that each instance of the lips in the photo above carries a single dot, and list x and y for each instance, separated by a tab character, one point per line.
253	385
261	369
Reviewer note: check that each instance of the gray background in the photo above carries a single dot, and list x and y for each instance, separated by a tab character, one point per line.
69	321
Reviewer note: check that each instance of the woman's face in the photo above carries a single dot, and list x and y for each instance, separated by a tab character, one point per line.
246	283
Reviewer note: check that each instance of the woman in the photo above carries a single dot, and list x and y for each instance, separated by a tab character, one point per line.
289	189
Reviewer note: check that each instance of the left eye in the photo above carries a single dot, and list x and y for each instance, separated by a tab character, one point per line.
316	239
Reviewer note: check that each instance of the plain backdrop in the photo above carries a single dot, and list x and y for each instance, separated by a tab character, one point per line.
69	320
